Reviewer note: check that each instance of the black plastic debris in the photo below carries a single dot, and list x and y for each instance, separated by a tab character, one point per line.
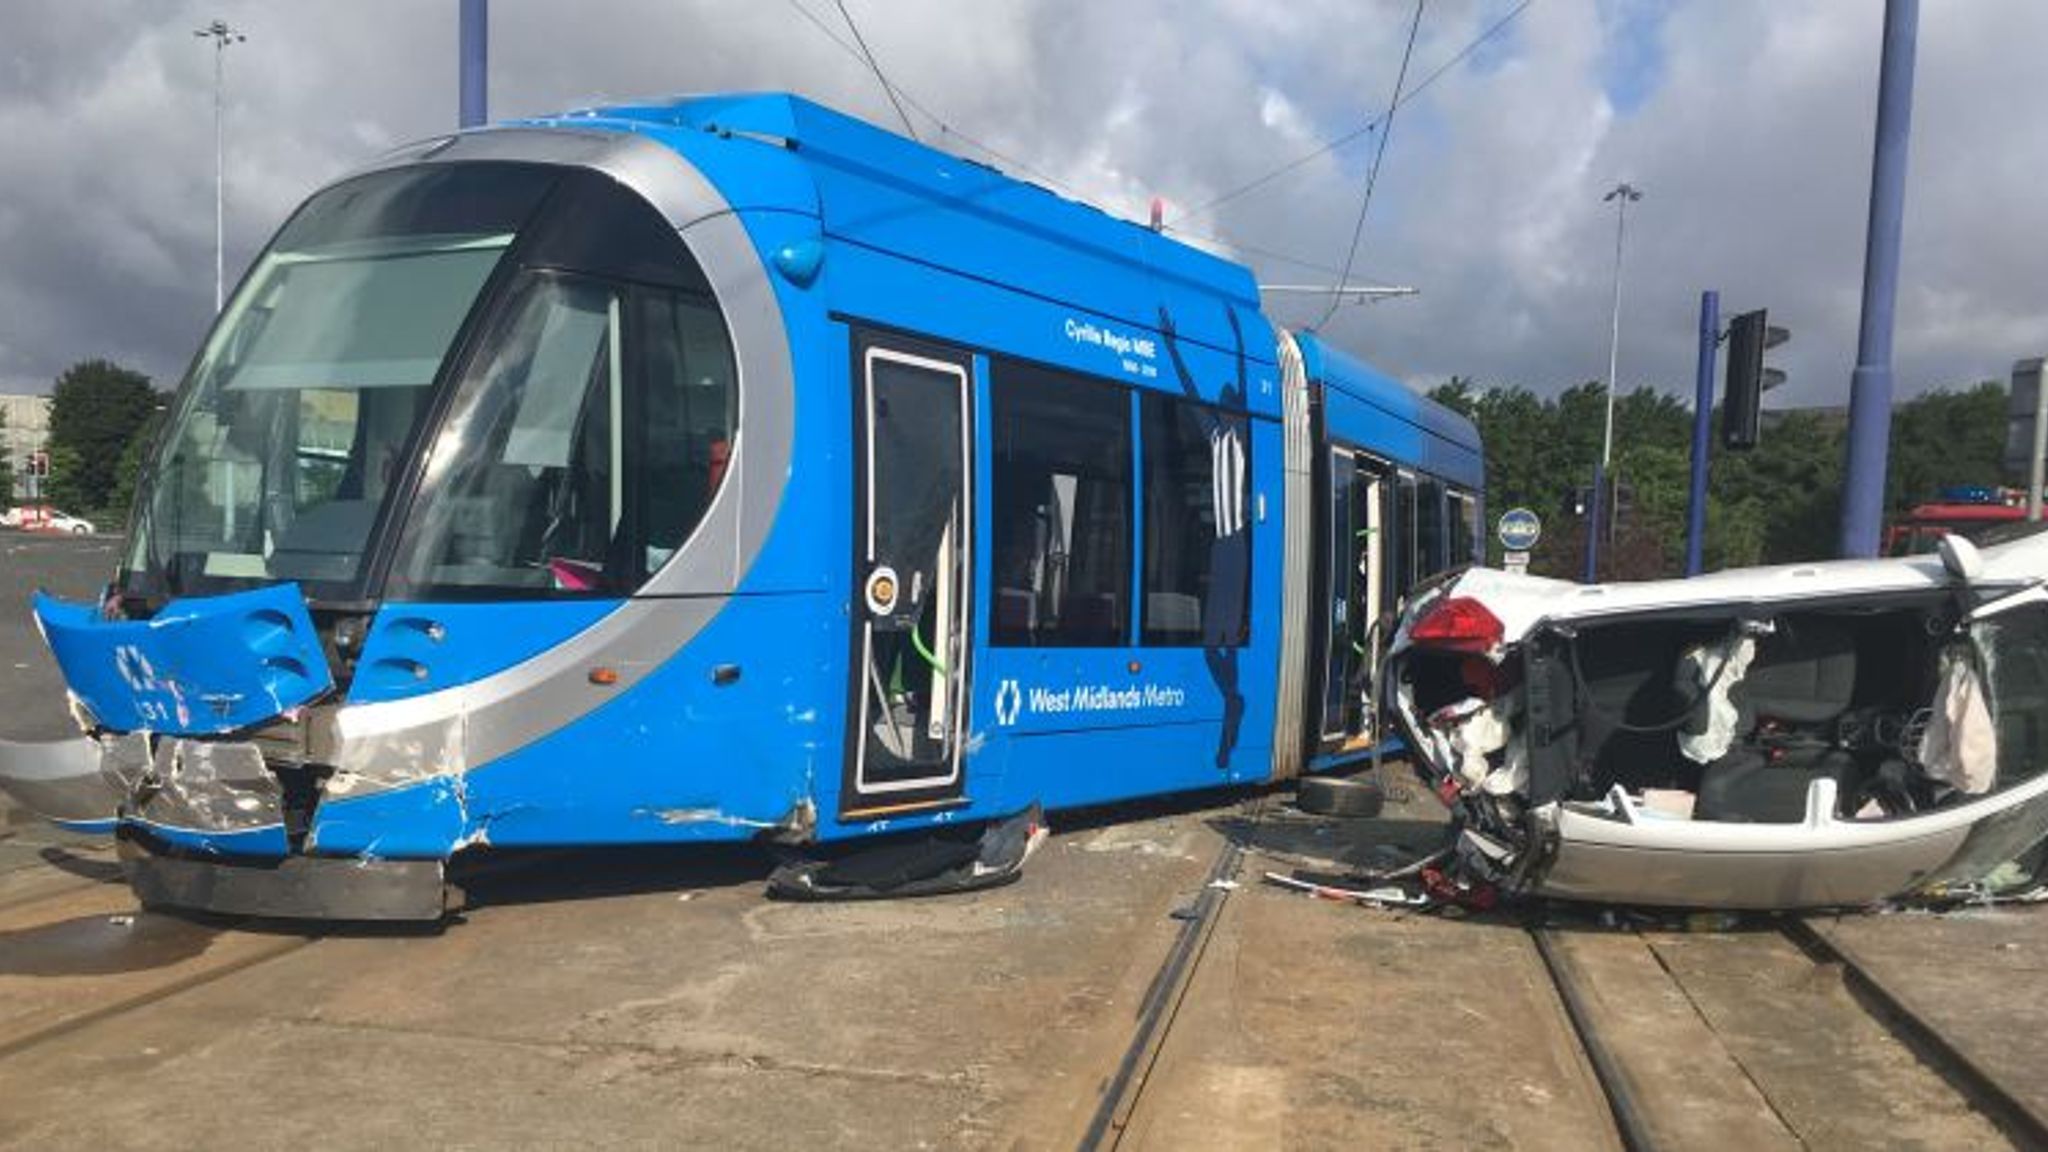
932	865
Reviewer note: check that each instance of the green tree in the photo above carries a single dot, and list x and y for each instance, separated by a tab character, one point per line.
1779	502
134	458
64	489
1944	438
1540	455
96	409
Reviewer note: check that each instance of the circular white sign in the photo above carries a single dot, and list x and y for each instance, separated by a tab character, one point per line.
1519	529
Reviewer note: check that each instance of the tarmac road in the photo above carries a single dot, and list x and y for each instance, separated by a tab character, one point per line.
75	567
655	998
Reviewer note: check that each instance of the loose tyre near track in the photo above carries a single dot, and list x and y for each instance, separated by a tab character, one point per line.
718	470
1339	796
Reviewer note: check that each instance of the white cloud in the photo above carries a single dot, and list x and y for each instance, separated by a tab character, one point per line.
1753	147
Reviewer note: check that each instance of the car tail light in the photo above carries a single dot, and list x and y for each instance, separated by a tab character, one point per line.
1458	624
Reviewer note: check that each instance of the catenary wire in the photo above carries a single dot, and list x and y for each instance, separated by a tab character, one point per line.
1372	175
868	54
1014	164
1209	206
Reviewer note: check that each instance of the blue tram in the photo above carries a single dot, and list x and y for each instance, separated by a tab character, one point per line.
724	469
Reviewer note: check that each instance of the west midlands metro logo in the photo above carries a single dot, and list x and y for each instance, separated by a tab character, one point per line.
1009	698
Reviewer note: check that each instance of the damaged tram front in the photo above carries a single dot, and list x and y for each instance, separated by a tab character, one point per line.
1834	734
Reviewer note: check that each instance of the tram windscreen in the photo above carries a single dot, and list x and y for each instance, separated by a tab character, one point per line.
299	414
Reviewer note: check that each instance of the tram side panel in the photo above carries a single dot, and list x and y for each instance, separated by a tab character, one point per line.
1071	701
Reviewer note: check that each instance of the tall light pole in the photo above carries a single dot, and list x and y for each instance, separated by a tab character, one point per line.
1621	195
1870	384
473	29
222	36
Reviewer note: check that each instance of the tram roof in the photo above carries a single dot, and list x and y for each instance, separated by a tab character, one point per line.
1339	369
870	186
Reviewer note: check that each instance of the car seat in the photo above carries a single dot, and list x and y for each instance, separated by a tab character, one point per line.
1801	682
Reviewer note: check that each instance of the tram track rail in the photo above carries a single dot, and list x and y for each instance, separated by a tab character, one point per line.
67	1025
1635	1107
280	945
1624	1105
1165	994
2012	1112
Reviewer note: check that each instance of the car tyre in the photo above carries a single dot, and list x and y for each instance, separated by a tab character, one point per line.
1339	796
79	530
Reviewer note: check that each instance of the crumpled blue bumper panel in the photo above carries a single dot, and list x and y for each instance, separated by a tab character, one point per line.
200	667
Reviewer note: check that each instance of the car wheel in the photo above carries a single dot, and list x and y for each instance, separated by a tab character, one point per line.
79	529
1338	796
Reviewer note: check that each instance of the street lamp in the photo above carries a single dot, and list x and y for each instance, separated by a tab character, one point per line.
222	36
1621	195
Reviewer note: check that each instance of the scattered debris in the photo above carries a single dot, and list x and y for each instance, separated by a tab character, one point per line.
930	865
1386	896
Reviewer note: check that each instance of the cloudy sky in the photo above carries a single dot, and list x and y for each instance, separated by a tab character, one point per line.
1747	123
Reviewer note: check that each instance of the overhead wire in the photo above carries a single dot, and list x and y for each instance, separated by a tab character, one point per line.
1372	175
867	54
1014	164
945	128
1336	142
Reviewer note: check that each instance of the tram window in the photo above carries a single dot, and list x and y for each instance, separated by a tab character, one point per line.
1464	527
1402	573
1197	539
687	420
531	499
1432	537
571	468
1062	495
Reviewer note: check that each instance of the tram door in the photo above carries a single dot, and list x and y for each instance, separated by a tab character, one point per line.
912	597
1356	552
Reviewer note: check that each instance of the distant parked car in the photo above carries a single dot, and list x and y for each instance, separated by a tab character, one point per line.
47	520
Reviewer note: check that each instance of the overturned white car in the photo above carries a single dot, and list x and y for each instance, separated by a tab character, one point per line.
1828	734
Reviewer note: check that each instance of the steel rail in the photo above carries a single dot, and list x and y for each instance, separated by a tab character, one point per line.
1163	999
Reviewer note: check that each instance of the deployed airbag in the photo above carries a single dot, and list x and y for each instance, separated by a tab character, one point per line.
1716	669
1960	746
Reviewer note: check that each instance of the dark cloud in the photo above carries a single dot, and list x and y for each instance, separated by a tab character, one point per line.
1748	127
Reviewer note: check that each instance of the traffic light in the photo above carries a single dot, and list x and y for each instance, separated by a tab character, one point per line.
1742	401
39	464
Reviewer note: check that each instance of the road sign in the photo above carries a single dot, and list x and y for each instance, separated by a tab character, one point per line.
1519	529
1516	562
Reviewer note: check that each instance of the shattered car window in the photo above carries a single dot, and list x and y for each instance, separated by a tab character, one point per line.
2014	650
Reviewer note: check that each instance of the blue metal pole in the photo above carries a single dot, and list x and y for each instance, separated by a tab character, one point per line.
1870	386
1702	434
475	52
